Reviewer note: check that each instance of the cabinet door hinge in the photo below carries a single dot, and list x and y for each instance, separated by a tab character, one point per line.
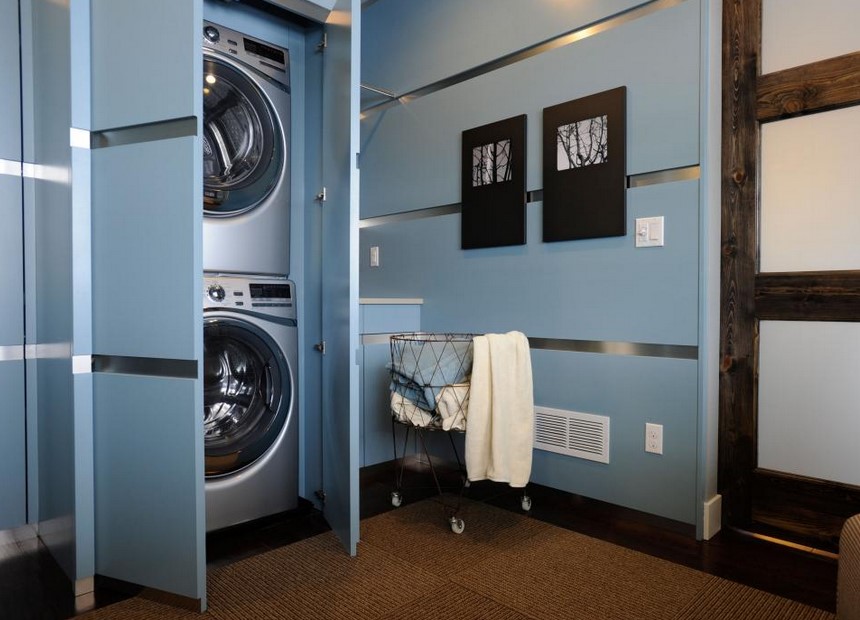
322	196
320	346
323	43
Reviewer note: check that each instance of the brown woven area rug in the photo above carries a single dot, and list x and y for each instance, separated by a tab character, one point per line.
505	565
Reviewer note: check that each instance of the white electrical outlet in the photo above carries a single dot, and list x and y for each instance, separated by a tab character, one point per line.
654	438
374	256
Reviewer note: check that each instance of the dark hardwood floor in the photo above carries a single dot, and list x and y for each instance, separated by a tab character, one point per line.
32	586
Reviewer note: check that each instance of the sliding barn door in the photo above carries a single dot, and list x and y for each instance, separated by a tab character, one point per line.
340	271
790	350
138	183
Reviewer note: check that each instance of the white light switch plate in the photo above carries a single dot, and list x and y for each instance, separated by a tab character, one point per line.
649	232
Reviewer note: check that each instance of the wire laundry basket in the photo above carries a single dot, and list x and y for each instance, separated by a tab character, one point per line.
430	379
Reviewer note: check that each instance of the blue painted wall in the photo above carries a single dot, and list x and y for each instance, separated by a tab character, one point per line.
601	289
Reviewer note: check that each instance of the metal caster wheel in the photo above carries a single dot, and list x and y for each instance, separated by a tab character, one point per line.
526	503
457	525
396	499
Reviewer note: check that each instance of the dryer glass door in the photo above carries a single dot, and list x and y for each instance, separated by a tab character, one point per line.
242	142
246	394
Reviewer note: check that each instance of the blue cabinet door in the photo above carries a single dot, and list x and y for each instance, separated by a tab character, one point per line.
13	497
340	371
138	175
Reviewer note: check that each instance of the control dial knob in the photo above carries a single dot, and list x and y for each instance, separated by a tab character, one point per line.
211	33
216	293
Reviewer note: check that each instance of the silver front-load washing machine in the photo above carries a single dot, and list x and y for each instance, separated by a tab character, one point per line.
246	154
250	361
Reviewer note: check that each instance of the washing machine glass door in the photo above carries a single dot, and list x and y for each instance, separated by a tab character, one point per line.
242	145
246	394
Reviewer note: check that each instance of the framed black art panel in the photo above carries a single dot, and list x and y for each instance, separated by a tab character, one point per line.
493	191
585	167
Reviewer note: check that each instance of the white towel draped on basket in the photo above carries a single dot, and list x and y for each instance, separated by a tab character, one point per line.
499	438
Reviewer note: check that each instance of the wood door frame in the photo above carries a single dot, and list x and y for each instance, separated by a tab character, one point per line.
818	508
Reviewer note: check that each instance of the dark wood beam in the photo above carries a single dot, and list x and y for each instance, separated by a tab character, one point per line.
740	131
816	87
813	509
808	296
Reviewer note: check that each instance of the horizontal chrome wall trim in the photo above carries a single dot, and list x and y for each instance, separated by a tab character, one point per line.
368	339
605	347
405	216
134	134
589	30
608	347
11	352
688	173
670	175
147	366
10	168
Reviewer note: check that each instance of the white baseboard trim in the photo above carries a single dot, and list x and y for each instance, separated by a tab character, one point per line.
712	522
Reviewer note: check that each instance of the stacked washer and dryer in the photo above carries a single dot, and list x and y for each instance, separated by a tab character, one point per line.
250	335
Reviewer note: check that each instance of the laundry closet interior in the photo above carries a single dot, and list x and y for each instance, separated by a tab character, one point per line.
175	273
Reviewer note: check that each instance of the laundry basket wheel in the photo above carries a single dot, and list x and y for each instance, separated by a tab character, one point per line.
396	499
526	503
457	525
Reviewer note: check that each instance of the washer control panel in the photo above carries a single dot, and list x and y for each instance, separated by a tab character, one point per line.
269	59
271	296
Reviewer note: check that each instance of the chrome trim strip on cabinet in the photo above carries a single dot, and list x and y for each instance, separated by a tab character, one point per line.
589	30
607	347
48	351
11	353
17	535
147	366
10	168
134	134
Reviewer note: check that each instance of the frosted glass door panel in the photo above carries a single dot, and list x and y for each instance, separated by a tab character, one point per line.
810	192
797	32
809	399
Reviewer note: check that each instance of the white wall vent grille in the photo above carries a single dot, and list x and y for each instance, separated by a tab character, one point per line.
583	435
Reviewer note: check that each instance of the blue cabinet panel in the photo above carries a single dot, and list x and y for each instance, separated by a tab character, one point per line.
376	439
411	153
145	210
10	78
149	492
143	66
11	262
13	496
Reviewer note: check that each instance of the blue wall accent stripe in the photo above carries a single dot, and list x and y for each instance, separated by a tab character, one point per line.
589	30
